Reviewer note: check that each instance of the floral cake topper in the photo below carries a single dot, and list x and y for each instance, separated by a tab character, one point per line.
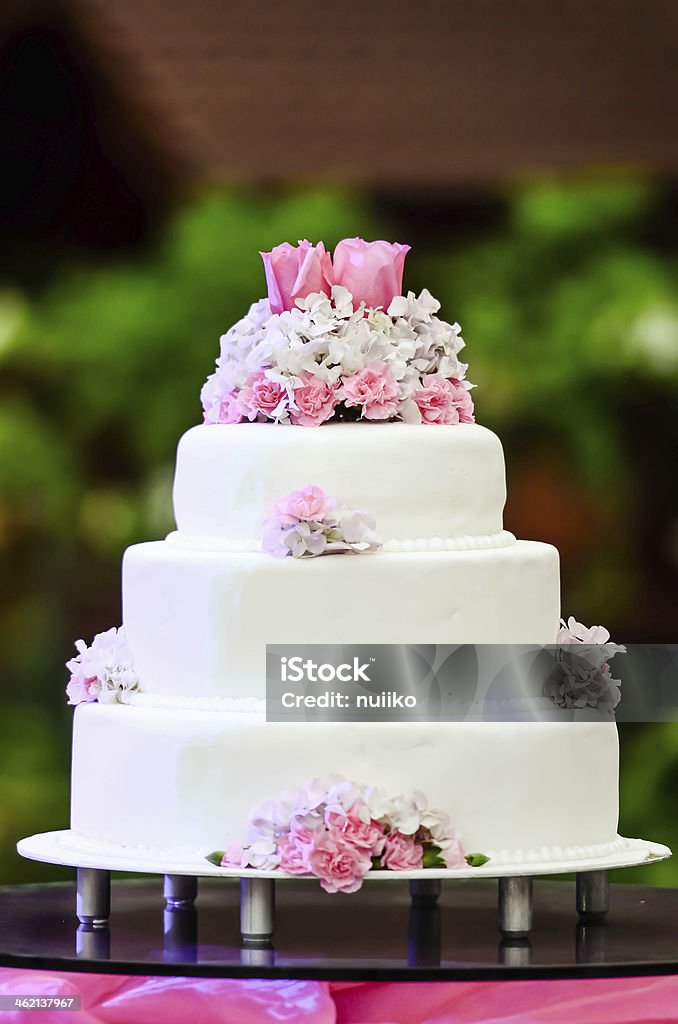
338	831
337	339
306	523
580	677
102	672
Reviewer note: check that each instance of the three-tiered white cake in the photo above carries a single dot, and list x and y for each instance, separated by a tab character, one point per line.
372	406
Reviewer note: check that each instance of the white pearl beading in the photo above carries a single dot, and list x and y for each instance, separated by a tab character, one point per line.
502	539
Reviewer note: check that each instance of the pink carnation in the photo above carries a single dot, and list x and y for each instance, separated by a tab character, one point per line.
375	389
228	410
293	272
443	400
372	271
366	835
263	396
308	503
402	853
339	865
294	849
315	400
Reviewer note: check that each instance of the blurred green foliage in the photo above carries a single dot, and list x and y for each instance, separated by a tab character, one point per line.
569	306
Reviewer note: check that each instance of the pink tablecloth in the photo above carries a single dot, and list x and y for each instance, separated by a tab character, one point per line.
120	999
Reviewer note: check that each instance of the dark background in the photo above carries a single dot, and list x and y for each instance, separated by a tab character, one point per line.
148	150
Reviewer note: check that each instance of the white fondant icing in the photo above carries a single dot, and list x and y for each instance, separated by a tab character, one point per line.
198	621
200	608
416	480
511	788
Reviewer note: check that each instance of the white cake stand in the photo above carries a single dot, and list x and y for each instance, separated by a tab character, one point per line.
95	861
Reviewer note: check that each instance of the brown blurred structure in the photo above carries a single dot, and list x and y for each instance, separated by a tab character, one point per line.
111	107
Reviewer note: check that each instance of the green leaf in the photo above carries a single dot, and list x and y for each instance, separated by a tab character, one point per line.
376	864
216	857
432	858
476	860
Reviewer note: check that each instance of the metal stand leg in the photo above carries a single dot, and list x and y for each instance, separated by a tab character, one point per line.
257	910
93	899
179	890
425	890
180	918
593	893
515	905
591	941
515	952
180	927
92	943
257	956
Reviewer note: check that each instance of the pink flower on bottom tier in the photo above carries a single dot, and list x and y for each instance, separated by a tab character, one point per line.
264	396
315	401
372	271
293	272
339	865
308	503
452	852
294	849
402	853
366	835
234	857
375	389
443	400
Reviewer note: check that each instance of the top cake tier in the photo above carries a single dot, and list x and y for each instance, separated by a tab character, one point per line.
419	482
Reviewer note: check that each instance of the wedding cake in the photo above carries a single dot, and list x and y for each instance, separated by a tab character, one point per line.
339	422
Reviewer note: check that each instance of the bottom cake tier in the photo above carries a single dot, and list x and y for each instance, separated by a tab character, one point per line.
186	780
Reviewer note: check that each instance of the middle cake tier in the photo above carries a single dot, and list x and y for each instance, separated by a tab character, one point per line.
198	621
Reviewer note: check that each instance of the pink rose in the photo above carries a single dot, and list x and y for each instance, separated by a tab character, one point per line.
443	400
401	853
80	690
375	389
263	396
372	271
339	865
315	400
366	835
309	503
293	272
294	849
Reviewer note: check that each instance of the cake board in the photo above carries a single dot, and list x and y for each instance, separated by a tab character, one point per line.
95	862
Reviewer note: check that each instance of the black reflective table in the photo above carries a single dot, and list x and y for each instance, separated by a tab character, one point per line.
375	934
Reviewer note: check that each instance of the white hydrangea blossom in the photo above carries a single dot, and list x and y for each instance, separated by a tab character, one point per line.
326	338
581	677
104	671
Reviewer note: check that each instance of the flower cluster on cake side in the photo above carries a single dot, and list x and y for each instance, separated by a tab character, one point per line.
337	339
306	523
339	831
102	672
581	677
